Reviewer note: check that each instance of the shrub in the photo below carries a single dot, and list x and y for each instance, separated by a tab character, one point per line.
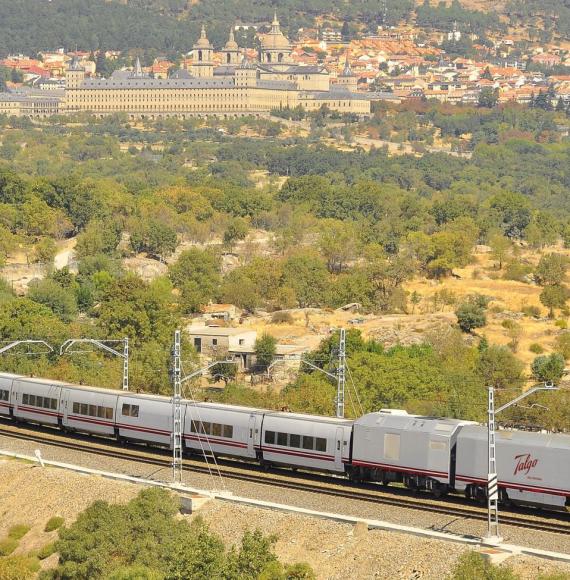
561	323
473	566
509	324
536	348
46	551
548	368
563	344
7	546
18	568
516	271
54	523
531	311
18	531
282	317
470	316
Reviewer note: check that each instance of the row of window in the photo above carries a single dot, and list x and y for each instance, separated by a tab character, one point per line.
214	429
37	401
296	441
92	410
130	410
4	395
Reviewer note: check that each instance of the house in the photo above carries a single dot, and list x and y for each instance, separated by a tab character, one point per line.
211	340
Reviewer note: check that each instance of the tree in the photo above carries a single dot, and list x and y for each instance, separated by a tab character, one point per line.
154	237
306	274
470	316
265	348
225	371
500	247
45	251
338	243
548	368
499	367
236	231
60	301
551	269
488	97
554	296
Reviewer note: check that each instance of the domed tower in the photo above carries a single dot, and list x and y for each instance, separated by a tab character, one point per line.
275	48
346	78
202	64
231	51
74	75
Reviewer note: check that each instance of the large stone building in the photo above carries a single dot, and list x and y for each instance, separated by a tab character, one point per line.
236	87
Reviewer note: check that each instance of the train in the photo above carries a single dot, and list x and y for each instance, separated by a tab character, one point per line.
433	454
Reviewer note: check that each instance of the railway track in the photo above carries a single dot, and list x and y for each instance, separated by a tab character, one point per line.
301	481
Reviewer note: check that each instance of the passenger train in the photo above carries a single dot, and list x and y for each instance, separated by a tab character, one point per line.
423	453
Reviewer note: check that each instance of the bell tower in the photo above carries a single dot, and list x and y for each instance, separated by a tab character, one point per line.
231	51
202	64
74	75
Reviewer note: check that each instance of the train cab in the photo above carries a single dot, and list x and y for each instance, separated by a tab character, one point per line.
6	380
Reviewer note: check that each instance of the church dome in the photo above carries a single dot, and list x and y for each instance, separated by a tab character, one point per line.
203	41
275	39
231	44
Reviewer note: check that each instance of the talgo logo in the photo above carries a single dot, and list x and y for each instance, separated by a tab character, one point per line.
525	463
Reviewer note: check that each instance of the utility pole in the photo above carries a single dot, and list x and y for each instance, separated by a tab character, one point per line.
492	479
177	412
341	374
126	364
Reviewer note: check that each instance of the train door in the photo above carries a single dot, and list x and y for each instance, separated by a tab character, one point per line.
65	410
338	448
251	436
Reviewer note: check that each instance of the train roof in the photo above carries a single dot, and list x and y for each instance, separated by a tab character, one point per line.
552	440
401	420
307	417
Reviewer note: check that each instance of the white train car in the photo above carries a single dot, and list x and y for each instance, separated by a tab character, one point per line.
532	468
222	429
307	441
145	418
37	400
88	409
6	380
394	446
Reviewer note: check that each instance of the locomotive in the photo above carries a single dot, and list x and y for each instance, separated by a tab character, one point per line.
434	454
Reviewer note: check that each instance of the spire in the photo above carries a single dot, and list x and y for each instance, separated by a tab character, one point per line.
203	32
275	21
275	27
347	71
138	68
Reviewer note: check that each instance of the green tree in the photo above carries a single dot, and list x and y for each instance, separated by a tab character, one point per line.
470	316
501	247
61	301
306	274
548	368
45	251
236	231
551	269
154	237
265	348
499	367
488	97
554	296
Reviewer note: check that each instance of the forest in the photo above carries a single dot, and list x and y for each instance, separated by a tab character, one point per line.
341	226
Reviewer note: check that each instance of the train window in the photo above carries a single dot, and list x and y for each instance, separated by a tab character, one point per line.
321	444
76	407
282	439
134	410
32	399
228	431
216	429
206	428
194	427
3	395
25	399
270	437
308	442
295	441
54	404
93	410
84	409
108	412
101	412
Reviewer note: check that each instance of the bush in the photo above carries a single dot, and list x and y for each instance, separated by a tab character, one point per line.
7	546
531	311
282	318
473	566
536	348
18	531
561	323
46	551
18	568
516	271
54	523
470	316
548	368
563	345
